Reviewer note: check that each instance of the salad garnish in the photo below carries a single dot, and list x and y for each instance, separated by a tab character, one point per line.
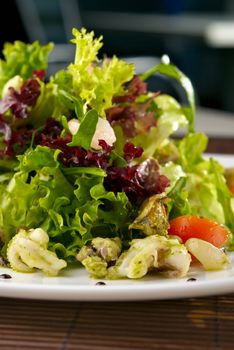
91	173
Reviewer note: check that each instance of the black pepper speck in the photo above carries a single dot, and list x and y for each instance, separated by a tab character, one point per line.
100	283
191	279
5	276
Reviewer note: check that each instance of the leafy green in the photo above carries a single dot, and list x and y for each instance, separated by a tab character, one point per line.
173	172
224	195
97	209
66	102
33	192
22	59
203	196
70	204
86	47
84	170
169	70
203	190
8	164
45	105
97	84
179	204
87	128
37	159
191	149
171	119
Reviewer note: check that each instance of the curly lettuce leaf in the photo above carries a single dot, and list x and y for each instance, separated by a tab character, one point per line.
33	192
45	105
94	212
99	211
97	84
22	59
70	204
8	164
87	47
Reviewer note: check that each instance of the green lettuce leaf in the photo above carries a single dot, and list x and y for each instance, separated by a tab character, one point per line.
45	105
224	195
70	204
87	47
96	84
171	119
98	211
203	196
173	172
191	150
33	192
7	165
203	190
66	101
196	194
22	59
167	69
87	128
179	204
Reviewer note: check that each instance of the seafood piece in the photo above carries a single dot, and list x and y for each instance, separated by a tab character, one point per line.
152	218
104	131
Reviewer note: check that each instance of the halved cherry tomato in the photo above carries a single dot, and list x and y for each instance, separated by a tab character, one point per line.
209	230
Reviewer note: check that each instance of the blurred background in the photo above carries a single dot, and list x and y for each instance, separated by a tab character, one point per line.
198	36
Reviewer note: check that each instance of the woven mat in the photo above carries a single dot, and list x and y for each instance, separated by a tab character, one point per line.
206	323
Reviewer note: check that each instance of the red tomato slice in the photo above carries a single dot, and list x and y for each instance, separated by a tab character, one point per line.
189	226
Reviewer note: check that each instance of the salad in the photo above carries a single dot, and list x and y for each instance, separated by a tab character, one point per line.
90	172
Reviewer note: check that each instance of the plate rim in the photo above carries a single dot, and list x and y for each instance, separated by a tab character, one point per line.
129	292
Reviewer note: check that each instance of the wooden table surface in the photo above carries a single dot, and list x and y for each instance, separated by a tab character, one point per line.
194	324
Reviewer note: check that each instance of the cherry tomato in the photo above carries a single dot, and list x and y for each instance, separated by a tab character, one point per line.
209	230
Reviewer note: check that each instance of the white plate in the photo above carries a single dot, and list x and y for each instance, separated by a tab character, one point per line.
74	284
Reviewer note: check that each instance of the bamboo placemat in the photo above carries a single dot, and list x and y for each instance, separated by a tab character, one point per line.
195	324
